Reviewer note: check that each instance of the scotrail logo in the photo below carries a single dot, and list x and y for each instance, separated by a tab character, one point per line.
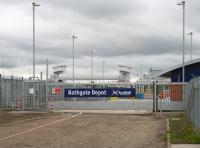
114	92
121	93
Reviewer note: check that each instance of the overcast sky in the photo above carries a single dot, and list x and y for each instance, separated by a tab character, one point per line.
126	32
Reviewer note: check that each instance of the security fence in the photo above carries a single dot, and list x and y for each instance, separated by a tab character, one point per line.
21	94
165	91
192	94
166	96
62	86
35	96
11	89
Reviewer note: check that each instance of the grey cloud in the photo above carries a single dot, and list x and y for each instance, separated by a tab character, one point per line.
118	30
99	8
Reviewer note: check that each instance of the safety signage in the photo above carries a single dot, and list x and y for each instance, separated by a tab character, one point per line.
107	92
56	90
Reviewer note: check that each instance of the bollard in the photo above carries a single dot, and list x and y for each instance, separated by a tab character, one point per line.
18	104
52	105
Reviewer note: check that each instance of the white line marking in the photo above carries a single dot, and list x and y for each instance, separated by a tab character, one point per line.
74	115
36	128
14	122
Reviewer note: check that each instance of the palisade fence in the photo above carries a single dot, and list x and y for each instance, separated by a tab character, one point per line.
192	94
10	90
21	94
35	96
60	96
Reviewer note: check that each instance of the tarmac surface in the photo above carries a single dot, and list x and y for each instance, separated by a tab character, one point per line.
83	130
185	146
123	112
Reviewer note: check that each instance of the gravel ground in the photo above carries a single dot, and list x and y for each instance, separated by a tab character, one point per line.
85	131
10	117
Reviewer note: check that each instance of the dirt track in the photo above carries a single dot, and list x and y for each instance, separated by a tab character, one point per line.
85	131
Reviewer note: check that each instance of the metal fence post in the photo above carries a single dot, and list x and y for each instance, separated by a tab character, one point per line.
0	92
12	91
47	99
154	96
22	94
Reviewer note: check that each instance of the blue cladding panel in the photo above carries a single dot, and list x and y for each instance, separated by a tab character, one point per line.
191	71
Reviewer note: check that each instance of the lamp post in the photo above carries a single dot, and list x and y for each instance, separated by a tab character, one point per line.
191	33
103	70
182	3
47	70
34	5
2	65
92	54
73	37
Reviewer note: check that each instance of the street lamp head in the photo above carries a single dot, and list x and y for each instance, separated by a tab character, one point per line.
191	33
35	4
74	36
181	3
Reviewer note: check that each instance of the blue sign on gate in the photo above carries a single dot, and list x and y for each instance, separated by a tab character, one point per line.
104	92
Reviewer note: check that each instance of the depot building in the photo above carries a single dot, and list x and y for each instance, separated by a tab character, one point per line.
192	70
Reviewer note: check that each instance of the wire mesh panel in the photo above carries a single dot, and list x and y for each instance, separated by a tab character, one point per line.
170	91
35	97
165	91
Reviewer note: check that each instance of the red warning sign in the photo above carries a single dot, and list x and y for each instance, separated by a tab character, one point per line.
56	90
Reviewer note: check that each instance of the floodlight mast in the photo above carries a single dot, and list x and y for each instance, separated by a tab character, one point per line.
103	70
191	42
73	38
182	3
92	55
34	5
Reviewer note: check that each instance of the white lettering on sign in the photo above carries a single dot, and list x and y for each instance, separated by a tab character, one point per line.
98	93
78	93
124	93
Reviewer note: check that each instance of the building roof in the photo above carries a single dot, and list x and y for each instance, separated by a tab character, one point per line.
59	66
167	72
124	66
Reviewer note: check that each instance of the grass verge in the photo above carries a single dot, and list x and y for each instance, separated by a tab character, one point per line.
182	133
